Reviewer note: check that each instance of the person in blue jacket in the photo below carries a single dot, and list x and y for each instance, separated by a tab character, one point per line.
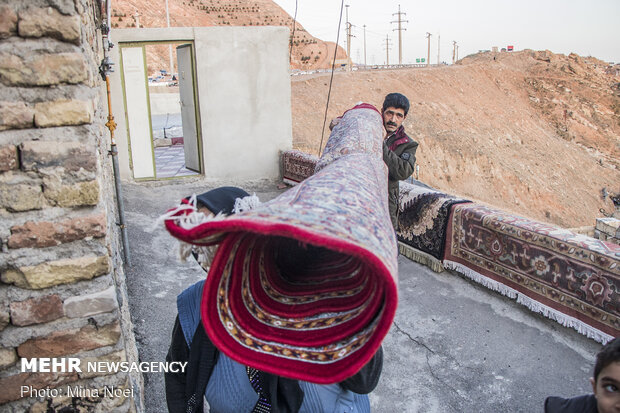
230	387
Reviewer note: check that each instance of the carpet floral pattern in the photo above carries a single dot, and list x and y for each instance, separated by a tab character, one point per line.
571	278
423	218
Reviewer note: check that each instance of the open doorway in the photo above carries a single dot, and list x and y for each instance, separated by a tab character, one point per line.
173	119
161	106
162	109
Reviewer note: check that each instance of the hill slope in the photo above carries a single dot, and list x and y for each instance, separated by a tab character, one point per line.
530	132
308	52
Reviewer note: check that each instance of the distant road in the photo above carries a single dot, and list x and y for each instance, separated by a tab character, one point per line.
297	74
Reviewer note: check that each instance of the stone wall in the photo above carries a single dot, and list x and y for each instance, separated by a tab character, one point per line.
608	229
62	287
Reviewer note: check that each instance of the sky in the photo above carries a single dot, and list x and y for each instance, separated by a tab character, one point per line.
585	27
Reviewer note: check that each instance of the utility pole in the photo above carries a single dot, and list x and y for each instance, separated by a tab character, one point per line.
400	37
348	26
387	50
365	45
428	55
457	53
438	45
453	50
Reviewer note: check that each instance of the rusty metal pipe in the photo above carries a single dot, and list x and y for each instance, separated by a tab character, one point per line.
105	69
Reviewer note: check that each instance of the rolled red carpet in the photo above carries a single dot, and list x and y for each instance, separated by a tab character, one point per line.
305	285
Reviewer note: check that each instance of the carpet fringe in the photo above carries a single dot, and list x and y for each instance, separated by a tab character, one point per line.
420	257
191	219
204	254
481	279
247	203
531	304
565	320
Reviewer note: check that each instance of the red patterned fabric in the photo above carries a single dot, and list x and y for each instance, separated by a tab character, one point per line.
401	137
572	278
305	285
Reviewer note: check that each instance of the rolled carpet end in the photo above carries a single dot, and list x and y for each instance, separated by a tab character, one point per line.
305	286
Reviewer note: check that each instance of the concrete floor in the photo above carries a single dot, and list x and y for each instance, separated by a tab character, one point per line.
454	346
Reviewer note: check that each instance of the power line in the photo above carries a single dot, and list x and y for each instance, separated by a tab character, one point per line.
374	33
329	92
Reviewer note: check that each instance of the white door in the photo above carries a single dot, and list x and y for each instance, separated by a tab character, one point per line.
188	107
138	118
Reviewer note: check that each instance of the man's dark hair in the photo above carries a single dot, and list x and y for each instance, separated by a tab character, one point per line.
608	354
396	100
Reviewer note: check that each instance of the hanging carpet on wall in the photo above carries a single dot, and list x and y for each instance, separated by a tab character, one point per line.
305	286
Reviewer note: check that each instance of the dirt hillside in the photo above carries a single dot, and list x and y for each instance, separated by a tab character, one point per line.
530	132
308	52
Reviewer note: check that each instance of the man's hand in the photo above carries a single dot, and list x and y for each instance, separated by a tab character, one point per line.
333	123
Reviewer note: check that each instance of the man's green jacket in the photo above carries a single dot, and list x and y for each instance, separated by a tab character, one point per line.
399	156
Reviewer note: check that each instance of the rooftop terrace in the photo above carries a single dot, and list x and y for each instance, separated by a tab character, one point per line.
454	346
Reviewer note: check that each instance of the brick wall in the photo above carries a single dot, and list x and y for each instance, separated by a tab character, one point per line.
62	289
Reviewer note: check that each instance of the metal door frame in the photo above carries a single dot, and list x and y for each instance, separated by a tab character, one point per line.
142	44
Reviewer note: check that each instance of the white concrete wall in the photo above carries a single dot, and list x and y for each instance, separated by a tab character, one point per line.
245	100
163	103
244	96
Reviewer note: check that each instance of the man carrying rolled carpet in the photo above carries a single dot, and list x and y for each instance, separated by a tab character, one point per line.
398	148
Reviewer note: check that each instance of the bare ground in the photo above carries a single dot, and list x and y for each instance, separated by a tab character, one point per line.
534	133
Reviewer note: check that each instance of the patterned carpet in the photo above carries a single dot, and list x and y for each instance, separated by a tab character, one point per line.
571	278
305	285
297	166
423	220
